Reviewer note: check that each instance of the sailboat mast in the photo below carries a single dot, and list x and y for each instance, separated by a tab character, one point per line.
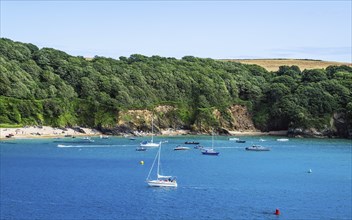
159	161
212	139
152	128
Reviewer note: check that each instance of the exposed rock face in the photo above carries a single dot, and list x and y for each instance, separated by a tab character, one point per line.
118	130
142	119
311	132
136	119
242	120
237	118
341	125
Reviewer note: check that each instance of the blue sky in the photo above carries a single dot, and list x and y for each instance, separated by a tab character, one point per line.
212	29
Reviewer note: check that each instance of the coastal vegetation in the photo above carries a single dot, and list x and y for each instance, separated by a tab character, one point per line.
50	87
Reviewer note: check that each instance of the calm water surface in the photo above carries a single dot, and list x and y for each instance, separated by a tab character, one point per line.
104	180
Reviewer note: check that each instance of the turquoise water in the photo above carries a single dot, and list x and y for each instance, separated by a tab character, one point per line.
105	180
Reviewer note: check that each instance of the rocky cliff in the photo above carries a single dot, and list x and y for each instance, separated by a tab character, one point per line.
236	118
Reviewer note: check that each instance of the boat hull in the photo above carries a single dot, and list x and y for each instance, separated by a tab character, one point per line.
282	139
181	148
150	145
257	148
162	183
191	142
249	149
211	153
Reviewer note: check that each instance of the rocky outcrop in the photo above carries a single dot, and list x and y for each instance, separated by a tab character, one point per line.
341	125
338	128
311	132
141	120
237	118
241	118
78	129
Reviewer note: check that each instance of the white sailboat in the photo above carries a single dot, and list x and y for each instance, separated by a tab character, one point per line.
161	180
210	151
151	143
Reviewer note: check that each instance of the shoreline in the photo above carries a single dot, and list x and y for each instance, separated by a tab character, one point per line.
44	132
29	132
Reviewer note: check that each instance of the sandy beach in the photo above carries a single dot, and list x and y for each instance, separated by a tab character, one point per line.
50	132
44	132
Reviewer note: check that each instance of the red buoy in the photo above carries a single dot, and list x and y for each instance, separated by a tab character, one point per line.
277	212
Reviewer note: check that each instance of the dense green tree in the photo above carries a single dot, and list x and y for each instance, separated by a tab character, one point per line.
286	80
277	91
314	98
332	70
315	75
292	71
48	86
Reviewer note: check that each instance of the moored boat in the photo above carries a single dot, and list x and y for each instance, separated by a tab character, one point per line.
179	147
161	180
151	143
198	147
141	148
210	151
191	142
257	148
104	137
282	139
240	141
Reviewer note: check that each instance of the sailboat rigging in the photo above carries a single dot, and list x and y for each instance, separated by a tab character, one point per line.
161	180
151	143
210	151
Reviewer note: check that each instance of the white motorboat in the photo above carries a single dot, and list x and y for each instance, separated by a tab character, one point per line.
257	148
179	147
282	139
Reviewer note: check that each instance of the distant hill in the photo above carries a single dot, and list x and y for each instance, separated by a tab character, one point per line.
273	64
50	87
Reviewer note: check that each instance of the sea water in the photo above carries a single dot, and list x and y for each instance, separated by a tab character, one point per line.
105	179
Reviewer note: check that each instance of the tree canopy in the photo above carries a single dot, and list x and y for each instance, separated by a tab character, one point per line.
48	86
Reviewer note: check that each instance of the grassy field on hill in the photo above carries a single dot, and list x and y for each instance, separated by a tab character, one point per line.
273	64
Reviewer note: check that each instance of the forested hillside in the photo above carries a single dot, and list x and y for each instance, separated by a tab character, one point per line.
49	87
